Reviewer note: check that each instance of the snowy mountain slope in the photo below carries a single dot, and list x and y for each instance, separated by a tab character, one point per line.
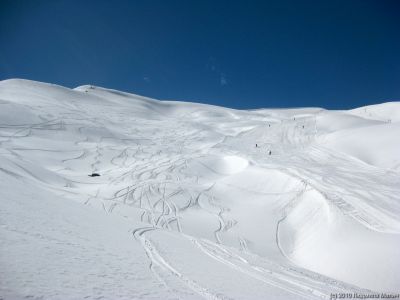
186	205
385	112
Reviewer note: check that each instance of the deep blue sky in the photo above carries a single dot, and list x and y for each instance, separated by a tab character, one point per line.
242	54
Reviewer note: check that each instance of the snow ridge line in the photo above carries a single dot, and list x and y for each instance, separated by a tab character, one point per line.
361	216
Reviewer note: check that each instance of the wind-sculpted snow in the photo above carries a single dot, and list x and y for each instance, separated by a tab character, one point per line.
193	201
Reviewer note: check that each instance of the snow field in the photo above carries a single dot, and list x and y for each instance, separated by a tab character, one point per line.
187	207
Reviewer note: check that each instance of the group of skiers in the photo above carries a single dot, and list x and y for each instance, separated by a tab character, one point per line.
269	151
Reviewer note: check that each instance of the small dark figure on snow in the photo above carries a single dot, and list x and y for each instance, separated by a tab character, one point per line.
256	145
269	152
94	175
303	126
269	125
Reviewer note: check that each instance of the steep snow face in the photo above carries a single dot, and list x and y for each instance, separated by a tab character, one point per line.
193	201
317	236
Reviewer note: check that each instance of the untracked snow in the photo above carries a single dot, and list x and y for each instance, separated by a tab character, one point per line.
193	201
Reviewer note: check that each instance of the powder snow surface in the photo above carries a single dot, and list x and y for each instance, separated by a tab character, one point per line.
186	206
